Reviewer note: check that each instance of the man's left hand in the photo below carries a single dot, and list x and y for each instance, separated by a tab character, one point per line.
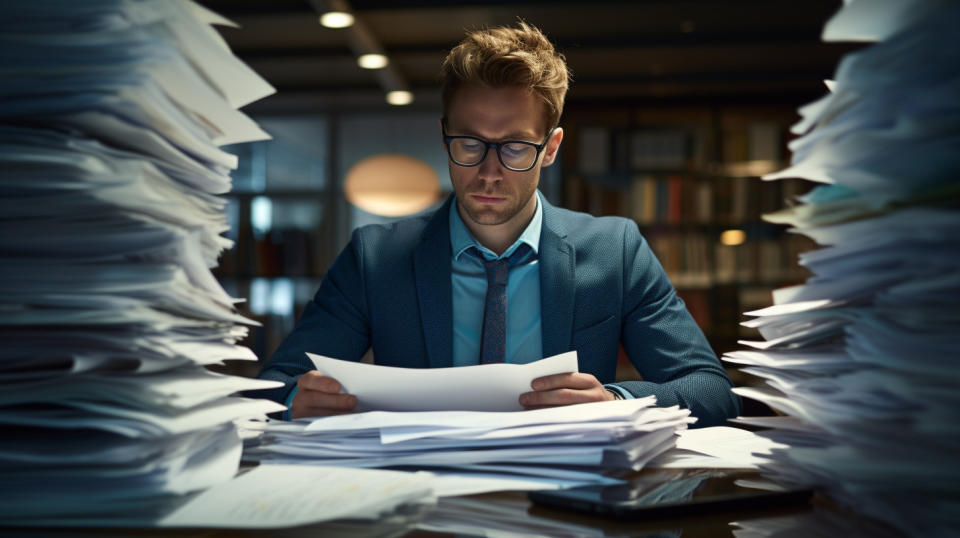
564	389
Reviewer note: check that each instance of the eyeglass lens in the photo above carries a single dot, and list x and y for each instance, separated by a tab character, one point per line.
469	151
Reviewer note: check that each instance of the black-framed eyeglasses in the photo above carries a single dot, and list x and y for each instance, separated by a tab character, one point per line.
516	155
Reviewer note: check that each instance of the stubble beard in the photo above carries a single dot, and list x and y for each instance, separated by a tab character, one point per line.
486	216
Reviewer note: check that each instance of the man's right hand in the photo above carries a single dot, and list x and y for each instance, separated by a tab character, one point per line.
318	395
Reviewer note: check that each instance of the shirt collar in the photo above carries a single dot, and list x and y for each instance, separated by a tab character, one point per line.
461	239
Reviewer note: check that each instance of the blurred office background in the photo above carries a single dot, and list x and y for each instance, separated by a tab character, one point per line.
676	108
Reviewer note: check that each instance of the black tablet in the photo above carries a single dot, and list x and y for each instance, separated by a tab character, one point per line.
674	492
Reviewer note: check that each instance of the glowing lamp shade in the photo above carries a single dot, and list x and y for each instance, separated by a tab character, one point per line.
392	185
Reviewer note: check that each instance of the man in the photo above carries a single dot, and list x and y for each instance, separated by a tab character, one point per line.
498	274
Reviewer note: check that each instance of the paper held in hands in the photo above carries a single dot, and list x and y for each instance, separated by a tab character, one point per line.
486	387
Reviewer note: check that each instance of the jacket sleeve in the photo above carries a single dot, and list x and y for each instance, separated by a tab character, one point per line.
335	324
665	344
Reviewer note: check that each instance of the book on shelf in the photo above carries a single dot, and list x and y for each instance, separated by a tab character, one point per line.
659	148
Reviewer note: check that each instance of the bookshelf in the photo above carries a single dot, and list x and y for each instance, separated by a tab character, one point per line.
689	177
282	213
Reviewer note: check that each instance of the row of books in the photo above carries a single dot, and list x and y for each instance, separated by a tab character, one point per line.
283	252
609	151
678	199
697	260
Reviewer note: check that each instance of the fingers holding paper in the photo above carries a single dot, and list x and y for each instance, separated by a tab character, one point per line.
564	389
319	395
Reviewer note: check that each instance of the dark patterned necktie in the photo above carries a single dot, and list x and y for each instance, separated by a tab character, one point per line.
493	340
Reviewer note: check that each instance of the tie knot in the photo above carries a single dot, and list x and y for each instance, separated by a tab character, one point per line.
498	270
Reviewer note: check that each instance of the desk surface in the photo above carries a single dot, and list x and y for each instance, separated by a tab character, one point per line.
513	512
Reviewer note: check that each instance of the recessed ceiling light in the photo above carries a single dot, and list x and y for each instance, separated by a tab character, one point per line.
372	61
399	97
336	19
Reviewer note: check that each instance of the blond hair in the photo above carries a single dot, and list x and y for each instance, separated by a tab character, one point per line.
508	57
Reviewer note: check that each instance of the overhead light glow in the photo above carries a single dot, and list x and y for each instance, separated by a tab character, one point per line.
373	61
399	97
336	19
392	185
733	237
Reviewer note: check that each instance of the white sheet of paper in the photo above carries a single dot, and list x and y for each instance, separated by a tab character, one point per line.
875	20
723	446
271	496
487	387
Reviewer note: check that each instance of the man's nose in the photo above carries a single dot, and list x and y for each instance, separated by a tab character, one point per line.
490	166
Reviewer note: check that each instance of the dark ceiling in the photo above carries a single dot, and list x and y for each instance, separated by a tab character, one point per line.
693	51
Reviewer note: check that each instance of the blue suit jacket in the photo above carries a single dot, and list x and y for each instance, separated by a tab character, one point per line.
600	286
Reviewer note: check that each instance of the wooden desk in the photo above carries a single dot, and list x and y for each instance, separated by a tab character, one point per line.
513	512
548	522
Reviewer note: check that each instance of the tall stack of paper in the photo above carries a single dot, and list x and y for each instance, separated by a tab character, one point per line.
561	446
111	114
860	357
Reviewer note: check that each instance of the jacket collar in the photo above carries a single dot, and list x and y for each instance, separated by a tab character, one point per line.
431	268
557	283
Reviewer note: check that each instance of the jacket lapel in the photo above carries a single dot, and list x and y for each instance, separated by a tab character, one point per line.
431	267
557	280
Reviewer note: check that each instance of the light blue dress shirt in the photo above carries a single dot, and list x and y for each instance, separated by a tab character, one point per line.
469	280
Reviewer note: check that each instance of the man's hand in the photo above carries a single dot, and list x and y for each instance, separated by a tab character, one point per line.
318	395
564	389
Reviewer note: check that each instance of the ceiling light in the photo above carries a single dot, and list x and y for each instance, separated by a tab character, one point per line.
733	237
399	97
373	61
336	19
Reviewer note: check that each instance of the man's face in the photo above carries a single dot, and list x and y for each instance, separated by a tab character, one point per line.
490	194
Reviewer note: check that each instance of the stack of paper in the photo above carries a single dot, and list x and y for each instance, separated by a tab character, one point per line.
717	447
553	447
272	496
111	114
860	357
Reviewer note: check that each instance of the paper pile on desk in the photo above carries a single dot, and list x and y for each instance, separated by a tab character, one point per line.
111	114
559	447
717	447
862	357
271	496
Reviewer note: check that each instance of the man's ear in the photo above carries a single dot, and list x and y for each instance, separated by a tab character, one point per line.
550	152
